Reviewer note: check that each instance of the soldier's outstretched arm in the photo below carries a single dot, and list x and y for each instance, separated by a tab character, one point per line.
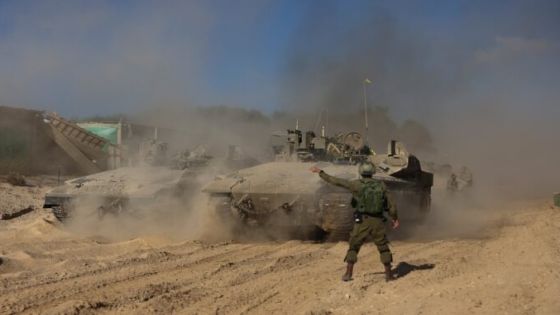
341	182
332	179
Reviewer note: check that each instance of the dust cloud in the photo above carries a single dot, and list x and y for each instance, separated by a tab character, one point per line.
482	94
484	99
499	158
461	83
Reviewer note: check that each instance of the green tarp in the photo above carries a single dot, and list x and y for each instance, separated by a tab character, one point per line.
105	131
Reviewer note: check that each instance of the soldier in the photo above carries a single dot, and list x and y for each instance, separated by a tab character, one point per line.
452	183
466	176
370	199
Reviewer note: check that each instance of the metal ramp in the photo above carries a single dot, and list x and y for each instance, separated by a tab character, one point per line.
84	147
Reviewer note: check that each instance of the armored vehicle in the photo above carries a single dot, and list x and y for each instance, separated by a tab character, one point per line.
284	193
156	178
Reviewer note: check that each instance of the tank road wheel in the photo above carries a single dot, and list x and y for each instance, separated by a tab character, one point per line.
60	212
338	218
114	206
222	207
341	230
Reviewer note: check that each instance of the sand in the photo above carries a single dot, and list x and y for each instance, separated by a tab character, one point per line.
513	269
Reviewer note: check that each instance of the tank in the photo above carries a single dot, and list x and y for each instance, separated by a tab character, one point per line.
285	194
154	179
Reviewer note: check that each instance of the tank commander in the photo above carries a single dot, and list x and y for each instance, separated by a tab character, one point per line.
370	199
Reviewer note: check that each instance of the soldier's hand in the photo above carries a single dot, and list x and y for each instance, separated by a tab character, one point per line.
396	224
315	169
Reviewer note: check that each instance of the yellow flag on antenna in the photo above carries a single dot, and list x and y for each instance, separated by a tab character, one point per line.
367	81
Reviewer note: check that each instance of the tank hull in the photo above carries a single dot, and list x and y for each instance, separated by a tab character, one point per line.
116	190
287	194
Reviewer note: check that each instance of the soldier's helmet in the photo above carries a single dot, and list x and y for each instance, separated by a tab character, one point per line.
366	169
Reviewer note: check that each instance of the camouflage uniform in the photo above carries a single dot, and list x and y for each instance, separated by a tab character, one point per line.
371	226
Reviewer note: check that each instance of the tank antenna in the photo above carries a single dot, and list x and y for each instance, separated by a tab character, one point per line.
326	118
320	119
366	81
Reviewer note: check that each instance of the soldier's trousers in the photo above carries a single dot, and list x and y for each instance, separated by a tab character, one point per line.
370	227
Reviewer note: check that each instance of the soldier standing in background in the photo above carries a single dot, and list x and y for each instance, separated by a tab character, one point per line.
466	176
370	199
452	183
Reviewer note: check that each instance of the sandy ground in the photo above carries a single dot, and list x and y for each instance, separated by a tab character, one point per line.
15	198
513	269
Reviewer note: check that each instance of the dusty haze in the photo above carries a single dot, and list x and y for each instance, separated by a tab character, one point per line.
466	82
479	91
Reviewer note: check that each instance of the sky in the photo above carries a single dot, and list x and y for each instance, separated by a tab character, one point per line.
83	58
482	76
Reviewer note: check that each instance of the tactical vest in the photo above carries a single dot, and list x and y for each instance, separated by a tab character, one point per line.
370	198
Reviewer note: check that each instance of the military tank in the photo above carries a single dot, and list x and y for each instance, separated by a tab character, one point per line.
155	179
284	194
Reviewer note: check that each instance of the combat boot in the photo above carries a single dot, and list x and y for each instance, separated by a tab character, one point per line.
348	275
389	276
